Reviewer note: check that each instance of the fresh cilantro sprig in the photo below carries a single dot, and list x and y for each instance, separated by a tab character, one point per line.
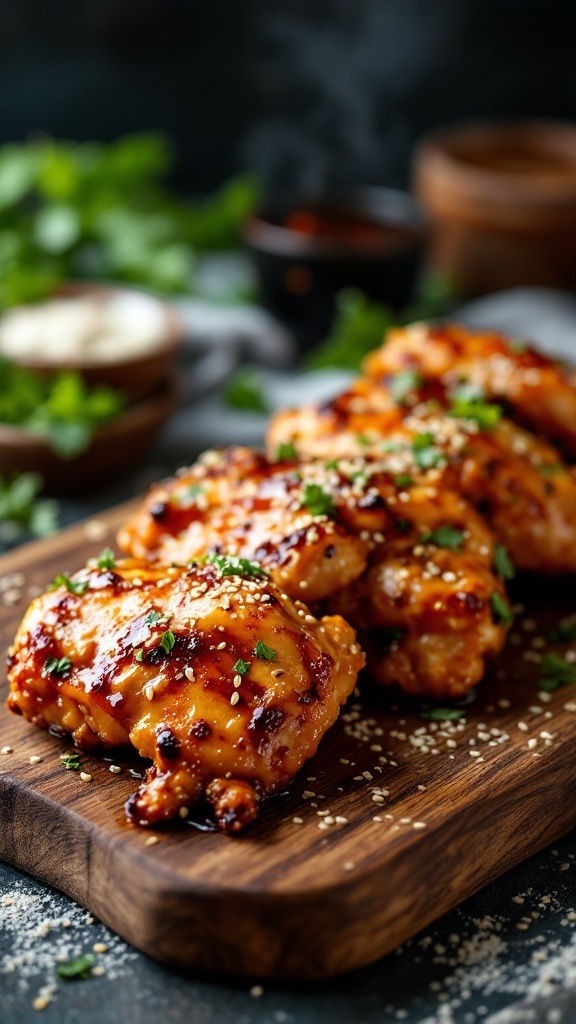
77	587
71	762
230	565
79	967
403	384
263	652
245	391
318	501
444	537
503	563
468	402
555	672
241	667
57	666
106	559
425	453
286	452
167	641
21	510
501	609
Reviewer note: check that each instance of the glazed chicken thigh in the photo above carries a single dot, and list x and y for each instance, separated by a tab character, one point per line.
453	440
540	392
222	681
410	565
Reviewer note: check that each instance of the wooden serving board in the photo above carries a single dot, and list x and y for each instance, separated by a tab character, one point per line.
291	899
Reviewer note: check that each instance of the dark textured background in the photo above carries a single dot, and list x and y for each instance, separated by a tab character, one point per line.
306	92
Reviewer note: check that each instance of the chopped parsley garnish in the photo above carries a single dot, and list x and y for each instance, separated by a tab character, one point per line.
424	452
396	446
106	559
152	618
443	714
317	501
501	609
167	641
78	967
564	632
332	464
286	452
246	391
242	667
404	480
467	402
363	440
188	495
71	762
503	563
230	565
550	468
403	383
57	666
139	654
444	537
264	652
556	672
77	587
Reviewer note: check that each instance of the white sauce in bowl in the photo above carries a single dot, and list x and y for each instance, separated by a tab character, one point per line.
84	329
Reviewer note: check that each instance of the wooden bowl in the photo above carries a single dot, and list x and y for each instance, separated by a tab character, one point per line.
115	447
501	201
137	376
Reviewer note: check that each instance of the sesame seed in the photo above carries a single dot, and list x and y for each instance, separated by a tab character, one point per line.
235	697
419	824
298	821
35	759
100	947
151	841
85	777
221	646
183	812
189	673
115	769
149	693
256	991
7	750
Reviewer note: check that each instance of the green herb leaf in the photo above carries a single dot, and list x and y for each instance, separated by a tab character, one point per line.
503	563
318	501
403	383
106	559
246	391
230	565
139	654
152	618
331	464
57	666
358	326
186	496
363	440
556	672
71	762
286	452
550	468
467	402
443	714
241	667
78	967
444	537
167	641
20	509
424	452
404	480
501	609
564	632
264	652
77	587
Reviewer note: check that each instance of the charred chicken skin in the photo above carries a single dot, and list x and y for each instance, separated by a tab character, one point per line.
450	438
220	679
537	391
411	566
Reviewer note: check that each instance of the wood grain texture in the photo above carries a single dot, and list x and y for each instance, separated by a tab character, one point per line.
288	899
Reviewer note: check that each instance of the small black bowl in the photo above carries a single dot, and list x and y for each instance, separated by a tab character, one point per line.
306	251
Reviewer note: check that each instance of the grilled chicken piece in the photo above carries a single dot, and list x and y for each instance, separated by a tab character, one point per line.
419	429
350	536
540	393
223	682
